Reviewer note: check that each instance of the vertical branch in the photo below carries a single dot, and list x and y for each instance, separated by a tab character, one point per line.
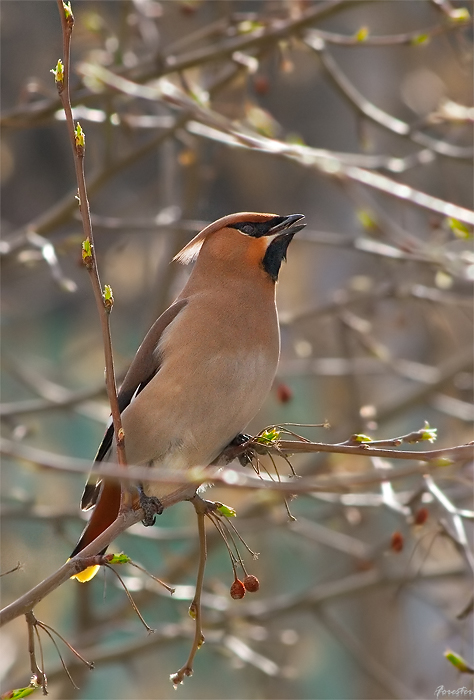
38	675
195	610
104	299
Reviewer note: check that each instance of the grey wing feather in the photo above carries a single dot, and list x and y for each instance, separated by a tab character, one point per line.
142	370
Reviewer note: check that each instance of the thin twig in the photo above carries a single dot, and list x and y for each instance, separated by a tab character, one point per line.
327	162
424	461
269	36
374	113
63	663
130	599
195	608
37	673
27	601
78	147
11	571
373	668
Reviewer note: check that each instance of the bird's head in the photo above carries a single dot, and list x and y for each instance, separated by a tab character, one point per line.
247	238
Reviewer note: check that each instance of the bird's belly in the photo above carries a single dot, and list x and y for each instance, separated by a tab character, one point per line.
198	415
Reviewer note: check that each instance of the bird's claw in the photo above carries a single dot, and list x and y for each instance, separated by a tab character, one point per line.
240	439
151	507
244	458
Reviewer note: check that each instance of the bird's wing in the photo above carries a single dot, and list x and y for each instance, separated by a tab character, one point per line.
145	365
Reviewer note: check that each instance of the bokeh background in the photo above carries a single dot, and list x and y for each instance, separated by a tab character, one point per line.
322	108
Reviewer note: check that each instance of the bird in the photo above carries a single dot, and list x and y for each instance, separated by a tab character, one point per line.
205	366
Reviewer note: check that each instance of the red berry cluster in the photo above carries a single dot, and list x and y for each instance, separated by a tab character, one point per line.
238	588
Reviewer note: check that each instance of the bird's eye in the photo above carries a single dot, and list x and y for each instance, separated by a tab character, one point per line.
249	229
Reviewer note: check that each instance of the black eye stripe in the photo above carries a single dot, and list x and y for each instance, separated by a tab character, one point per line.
257	228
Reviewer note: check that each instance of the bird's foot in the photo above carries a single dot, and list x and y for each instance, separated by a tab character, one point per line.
151	506
240	439
235	450
244	458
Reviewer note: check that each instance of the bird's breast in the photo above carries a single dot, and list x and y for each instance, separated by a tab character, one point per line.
218	362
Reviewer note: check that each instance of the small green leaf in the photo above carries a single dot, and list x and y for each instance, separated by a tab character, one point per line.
200	96
442	462
427	433
443	280
86	247
119	558
459	229
248	26
268	436
459	15
79	136
361	34
58	72
226	511
19	692
261	120
295	139
68	10
420	39
360	437
458	662
87	257
108	297
367	219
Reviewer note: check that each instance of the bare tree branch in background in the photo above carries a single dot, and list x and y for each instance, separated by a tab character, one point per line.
359	115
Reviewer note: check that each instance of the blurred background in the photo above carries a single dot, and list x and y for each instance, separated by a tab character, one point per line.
357	114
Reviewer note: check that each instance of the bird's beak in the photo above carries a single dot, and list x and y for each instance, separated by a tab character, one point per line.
287	226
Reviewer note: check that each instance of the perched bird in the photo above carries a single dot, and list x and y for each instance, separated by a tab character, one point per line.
206	365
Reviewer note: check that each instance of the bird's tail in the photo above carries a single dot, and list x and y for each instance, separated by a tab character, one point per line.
103	515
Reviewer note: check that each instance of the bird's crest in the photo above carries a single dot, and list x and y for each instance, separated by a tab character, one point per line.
191	250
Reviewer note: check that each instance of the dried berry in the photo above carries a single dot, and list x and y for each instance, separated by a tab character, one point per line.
421	516
189	7
261	84
251	583
284	393
397	541
237	590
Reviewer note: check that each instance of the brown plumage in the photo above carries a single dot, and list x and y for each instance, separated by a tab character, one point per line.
206	365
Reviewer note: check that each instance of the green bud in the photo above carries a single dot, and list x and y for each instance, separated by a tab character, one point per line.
420	39
108	298
20	692
226	511
68	10
87	257
295	139
200	96
58	72
428	433
367	219
459	15
80	137
442	462
459	229
361	438
119	558
268	436
248	26
361	34
458	662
